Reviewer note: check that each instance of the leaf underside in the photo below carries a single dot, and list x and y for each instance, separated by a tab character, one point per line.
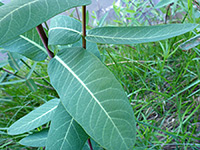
139	34
64	30
194	41
65	132
34	119
28	44
93	97
20	16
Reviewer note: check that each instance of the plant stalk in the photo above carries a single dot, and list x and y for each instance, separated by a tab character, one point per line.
84	26
44	39
84	46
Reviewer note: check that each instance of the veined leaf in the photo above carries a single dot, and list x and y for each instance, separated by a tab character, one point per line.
29	44
194	41
91	47
139	34
19	16
64	30
93	97
95	146
65	132
34	119
36	139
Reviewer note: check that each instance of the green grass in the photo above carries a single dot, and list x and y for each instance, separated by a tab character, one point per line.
161	81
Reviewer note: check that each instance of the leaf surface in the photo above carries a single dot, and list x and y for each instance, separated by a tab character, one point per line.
139	34
34	119
28	44
19	16
163	3
35	139
93	97
194	41
65	132
64	30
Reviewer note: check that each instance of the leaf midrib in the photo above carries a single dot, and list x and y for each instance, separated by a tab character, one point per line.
83	84
64	28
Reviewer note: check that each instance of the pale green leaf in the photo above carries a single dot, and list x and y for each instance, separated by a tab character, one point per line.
31	71
35	140
93	97
163	3
34	119
31	85
19	16
65	132
13	82
95	146
139	34
194	41
13	61
28	44
91	47
64	30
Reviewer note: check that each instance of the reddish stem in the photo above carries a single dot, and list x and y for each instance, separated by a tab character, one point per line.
84	26
90	144
44	39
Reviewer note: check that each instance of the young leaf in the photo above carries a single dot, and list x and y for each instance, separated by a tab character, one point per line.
93	97
194	41
19	16
36	139
64	30
29	44
139	34
65	132
34	119
91	47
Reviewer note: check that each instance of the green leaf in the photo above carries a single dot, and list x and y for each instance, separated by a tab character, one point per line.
29	44
93	97
163	3
139	34
64	30
31	85
1	4
13	60
31	71
65	132
34	119
13	82
91	47
94	145
194	41
19	16
36	139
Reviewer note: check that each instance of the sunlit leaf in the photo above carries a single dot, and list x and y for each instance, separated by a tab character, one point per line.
34	119
139	34
93	97
19	16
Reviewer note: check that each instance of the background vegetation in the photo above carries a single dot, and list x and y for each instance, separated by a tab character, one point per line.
162	81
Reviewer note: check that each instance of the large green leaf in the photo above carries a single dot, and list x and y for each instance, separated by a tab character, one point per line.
64	30
93	97
34	119
29	44
19	16
194	41
65	132
139	34
91	47
35	140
